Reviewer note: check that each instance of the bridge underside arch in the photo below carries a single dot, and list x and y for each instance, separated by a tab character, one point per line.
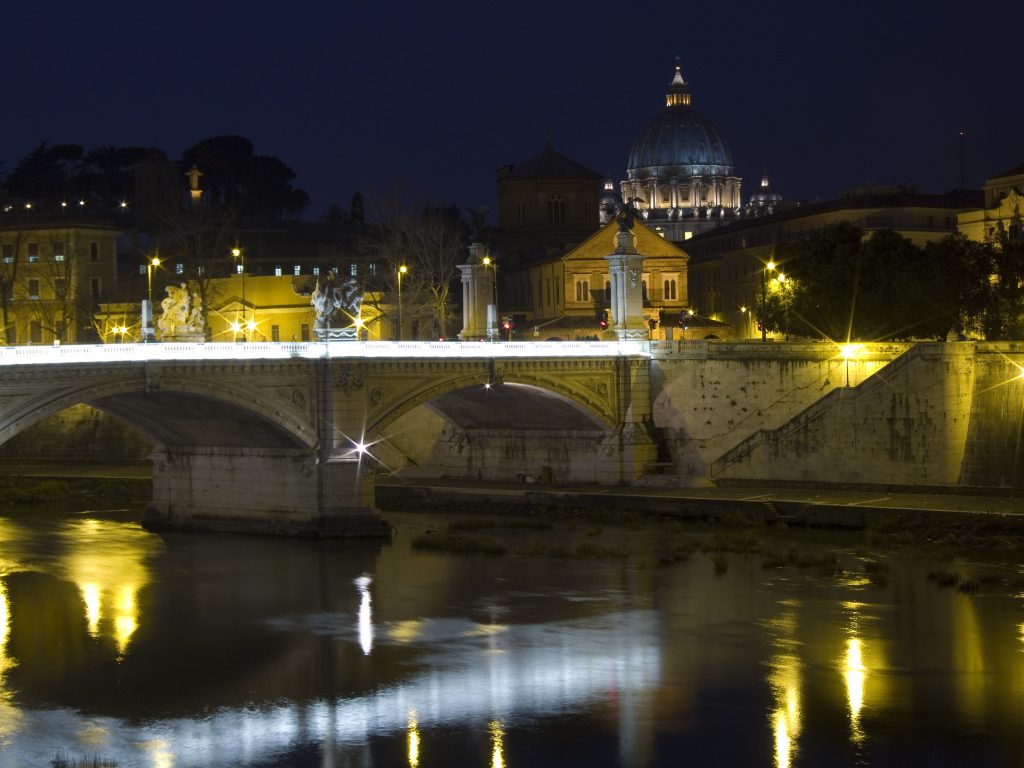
513	406
188	419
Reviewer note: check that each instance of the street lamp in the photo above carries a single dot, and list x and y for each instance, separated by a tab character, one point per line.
849	350
401	271
148	321
236	253
764	298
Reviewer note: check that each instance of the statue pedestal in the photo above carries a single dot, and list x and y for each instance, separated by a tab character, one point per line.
184	335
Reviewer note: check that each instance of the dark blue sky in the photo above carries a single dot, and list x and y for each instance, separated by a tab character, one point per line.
438	96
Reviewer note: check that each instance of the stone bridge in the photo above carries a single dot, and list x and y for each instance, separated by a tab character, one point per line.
290	437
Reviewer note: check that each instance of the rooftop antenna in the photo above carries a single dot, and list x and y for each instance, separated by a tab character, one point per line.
962	181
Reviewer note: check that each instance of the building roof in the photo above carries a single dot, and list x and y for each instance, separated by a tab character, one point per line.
602	243
679	141
1015	171
956	200
550	164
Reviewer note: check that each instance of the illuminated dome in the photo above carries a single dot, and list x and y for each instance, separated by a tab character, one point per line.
679	142
680	173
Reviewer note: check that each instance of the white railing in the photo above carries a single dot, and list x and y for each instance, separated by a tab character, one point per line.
97	353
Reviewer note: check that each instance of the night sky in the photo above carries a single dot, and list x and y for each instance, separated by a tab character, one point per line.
433	98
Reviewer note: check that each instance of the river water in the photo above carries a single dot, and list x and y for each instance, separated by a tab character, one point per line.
208	650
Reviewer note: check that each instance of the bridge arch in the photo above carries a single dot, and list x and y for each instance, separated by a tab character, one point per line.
176	412
566	393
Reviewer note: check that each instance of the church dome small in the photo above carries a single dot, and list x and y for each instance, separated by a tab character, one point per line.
680	141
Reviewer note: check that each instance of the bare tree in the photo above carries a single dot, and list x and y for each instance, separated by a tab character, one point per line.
429	244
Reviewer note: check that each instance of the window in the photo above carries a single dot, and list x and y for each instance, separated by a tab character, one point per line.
35	332
179	268
316	271
353	269
33	289
277	271
60	287
275	333
520	212
670	289
8	253
297	270
582	290
372	267
33	252
239	269
556	209
607	289
94	251
58	251
62	329
94	288
305	331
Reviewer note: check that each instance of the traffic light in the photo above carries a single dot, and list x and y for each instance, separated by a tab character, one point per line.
603	321
760	326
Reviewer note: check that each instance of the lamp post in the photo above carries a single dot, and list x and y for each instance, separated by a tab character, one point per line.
401	271
236	253
764	298
849	350
153	262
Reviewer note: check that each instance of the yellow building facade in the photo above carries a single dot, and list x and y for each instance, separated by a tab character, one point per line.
53	276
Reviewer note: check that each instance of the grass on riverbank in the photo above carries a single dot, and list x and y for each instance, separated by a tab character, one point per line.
24	491
63	761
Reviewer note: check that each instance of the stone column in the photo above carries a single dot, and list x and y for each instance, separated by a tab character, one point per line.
477	293
626	267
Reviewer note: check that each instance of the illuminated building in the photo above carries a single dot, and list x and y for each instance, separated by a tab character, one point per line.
1001	215
680	170
570	295
53	273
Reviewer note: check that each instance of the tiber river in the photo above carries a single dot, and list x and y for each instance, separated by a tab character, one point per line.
207	650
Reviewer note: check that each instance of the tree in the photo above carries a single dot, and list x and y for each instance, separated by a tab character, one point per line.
885	287
430	245
253	189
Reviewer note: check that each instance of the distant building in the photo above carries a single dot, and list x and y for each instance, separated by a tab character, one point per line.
546	205
1001	215
567	297
54	272
680	170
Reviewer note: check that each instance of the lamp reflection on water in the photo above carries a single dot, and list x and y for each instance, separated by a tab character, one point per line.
365	617
784	680
497	744
413	739
107	565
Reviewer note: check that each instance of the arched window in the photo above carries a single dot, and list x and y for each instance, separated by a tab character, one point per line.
582	290
556	209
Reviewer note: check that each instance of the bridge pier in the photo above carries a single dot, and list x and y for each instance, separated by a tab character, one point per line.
261	491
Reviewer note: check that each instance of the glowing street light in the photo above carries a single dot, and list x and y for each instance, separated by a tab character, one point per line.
236	253
849	350
401	271
770	266
147	319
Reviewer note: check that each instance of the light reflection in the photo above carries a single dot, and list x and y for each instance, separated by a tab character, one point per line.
91	598
855	673
497	744
784	680
106	561
413	740
365	618
546	668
